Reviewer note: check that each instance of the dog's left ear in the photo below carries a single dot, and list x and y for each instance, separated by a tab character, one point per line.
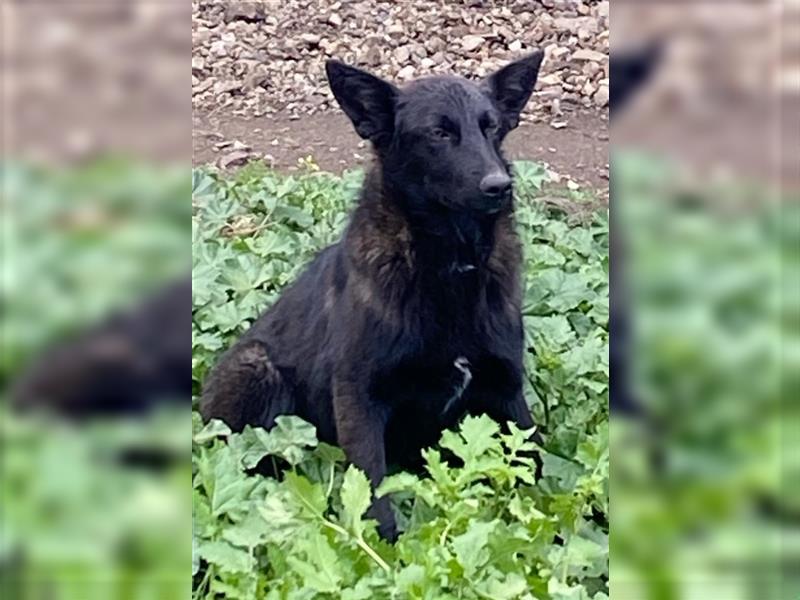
512	86
630	69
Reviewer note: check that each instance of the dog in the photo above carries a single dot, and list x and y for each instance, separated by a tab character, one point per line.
631	69
128	364
412	319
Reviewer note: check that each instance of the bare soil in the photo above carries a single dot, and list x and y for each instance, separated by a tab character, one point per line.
578	151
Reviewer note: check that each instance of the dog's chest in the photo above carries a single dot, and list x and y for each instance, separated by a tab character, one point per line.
448	336
436	387
448	313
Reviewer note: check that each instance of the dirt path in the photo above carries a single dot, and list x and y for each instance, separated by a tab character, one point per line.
579	150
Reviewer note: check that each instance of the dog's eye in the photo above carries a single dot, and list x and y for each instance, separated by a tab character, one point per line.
491	128
440	133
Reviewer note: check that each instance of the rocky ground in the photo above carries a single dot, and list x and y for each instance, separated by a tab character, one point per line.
258	58
263	61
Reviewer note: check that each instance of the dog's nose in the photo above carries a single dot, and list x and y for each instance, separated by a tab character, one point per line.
495	183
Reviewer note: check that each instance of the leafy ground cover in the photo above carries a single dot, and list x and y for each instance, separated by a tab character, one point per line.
76	523
704	490
487	529
715	285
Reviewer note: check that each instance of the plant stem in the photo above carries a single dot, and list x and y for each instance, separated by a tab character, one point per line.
361	544
565	569
330	483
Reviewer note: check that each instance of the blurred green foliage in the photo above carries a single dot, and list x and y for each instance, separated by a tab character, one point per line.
484	530
78	519
79	243
704	488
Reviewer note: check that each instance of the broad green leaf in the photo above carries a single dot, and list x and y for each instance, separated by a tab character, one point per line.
252	444
248	533
397	483
511	586
226	556
291	436
320	569
222	478
470	547
478	433
563	591
411	578
212	430
309	496
356	496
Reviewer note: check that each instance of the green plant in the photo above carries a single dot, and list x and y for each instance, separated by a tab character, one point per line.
485	529
76	521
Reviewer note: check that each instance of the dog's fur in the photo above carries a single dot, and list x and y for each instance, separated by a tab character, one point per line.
125	365
413	318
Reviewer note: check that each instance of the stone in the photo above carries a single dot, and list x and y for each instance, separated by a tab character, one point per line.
248	11
555	52
549	79
310	39
258	77
406	73
218	48
223	87
401	54
601	96
373	56
234	159
471	42
587	54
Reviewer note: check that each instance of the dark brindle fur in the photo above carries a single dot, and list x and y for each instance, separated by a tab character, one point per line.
413	318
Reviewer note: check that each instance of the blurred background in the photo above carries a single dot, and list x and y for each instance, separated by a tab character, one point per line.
97	140
706	334
95	198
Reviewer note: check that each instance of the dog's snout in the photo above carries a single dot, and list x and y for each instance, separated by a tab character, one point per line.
495	183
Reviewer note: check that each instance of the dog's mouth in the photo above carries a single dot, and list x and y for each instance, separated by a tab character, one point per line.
480	206
475	202
494	204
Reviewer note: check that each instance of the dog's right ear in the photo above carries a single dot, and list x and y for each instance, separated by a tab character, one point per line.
368	100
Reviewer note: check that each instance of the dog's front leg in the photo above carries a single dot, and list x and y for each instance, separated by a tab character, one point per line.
516	410
496	390
498	393
360	426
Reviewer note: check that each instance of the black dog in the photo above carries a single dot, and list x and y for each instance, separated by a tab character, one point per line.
630	70
413	318
125	365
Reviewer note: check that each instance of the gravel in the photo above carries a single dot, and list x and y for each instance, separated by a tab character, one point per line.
258	58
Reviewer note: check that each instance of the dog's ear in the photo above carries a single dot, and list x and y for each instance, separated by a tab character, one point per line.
630	69
366	99
512	86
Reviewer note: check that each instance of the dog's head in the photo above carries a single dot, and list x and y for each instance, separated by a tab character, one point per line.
439	138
